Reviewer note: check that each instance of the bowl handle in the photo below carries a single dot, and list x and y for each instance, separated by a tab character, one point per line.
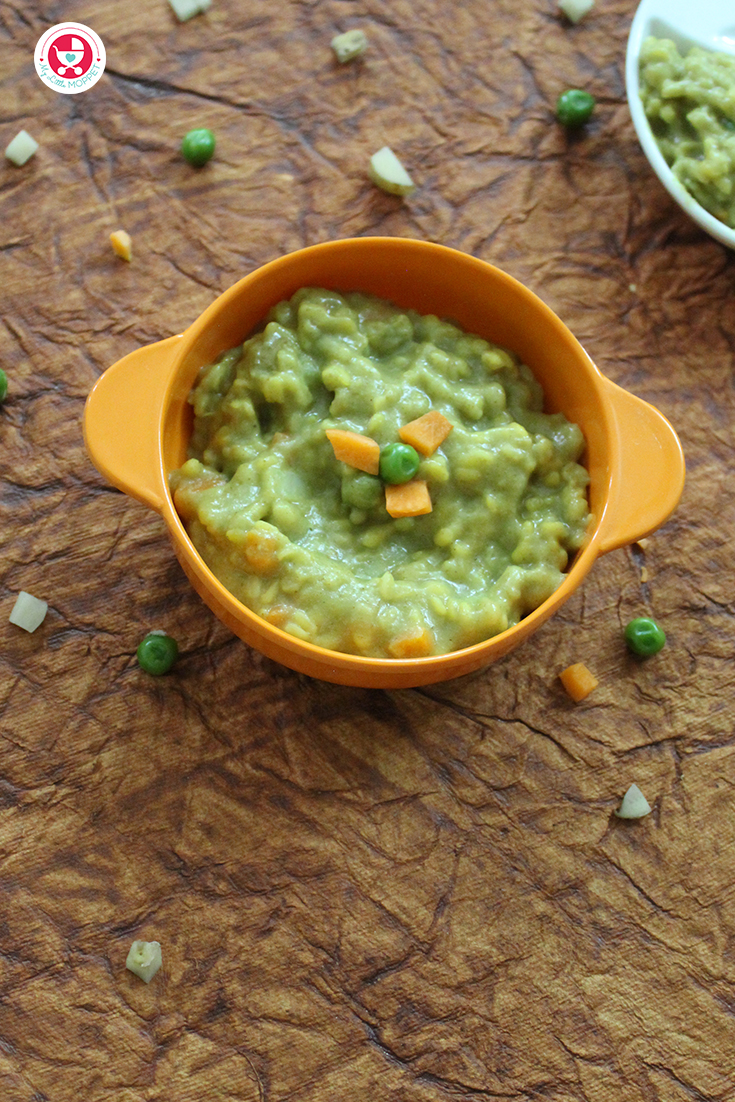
122	422
650	473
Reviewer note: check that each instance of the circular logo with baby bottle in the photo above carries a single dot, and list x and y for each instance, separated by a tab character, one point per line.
70	58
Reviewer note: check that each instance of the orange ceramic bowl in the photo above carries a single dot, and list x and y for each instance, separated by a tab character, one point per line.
138	422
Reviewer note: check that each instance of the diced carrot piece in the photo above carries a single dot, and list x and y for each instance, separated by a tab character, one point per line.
409	499
426	433
261	552
355	450
578	681
185	496
419	644
278	615
122	244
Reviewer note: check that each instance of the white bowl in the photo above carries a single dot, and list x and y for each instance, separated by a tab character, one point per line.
708	23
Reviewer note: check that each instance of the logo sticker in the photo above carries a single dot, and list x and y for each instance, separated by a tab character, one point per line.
70	58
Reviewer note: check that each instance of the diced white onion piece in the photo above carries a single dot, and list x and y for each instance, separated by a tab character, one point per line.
144	959
28	611
348	45
576	9
21	148
634	805
187	9
389	174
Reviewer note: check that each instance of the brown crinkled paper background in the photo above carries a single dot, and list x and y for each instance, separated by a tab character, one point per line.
421	895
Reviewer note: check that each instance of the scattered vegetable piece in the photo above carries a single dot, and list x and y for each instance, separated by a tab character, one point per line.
122	244
576	9
278	615
426	433
157	653
389	174
21	148
261	551
187	9
409	499
355	450
574	107
29	612
398	463
578	681
198	146
185	495
3	385
644	637
144	959
634	805
349	45
419	644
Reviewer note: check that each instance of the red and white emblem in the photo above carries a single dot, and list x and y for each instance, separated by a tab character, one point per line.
70	58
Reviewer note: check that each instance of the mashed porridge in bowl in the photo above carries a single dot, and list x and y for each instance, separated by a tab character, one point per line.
316	544
680	81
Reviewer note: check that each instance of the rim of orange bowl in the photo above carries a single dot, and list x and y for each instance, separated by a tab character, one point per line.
574	575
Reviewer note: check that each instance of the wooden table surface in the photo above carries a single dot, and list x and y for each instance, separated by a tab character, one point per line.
421	895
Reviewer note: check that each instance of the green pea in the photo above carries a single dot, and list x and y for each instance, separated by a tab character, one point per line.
398	463
157	653
574	107
3	385
198	147
644	637
361	492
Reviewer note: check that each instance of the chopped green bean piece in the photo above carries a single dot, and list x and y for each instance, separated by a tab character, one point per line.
349	45
144	959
